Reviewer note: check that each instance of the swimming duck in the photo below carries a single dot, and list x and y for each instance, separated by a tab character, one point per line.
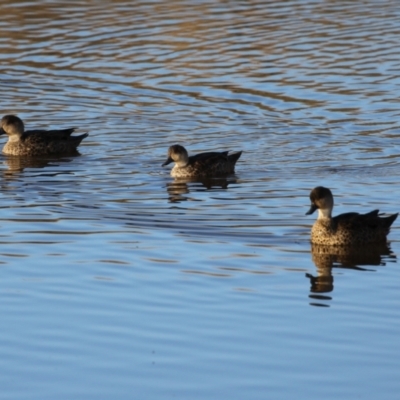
202	165
349	229
37	142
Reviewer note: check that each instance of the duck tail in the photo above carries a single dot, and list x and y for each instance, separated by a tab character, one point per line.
233	157
390	219
79	138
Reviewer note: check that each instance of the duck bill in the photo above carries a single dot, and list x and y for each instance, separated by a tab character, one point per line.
169	161
312	209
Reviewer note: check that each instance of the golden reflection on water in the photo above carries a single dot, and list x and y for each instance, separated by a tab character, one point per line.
204	42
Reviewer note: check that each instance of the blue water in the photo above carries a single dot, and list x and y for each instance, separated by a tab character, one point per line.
118	282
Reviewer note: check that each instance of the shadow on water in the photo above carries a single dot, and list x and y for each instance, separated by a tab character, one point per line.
326	258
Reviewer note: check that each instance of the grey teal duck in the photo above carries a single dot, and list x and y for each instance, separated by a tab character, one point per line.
203	165
37	142
349	229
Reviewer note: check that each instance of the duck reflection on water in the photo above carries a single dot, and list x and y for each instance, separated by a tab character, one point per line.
16	165
358	258
180	188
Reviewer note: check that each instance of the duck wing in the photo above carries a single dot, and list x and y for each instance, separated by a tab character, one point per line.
209	156
372	220
39	136
53	134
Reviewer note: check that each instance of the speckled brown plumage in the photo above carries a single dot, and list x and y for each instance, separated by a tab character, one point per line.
37	142
349	229
203	165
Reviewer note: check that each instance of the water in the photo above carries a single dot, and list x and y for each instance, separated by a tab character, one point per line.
117	281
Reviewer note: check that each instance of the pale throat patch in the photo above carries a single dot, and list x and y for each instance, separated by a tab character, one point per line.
324	213
14	138
181	163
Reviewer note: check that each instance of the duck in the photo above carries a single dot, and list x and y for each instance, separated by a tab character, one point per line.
37	142
349	229
203	165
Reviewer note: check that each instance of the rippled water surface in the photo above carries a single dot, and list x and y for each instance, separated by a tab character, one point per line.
118	282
